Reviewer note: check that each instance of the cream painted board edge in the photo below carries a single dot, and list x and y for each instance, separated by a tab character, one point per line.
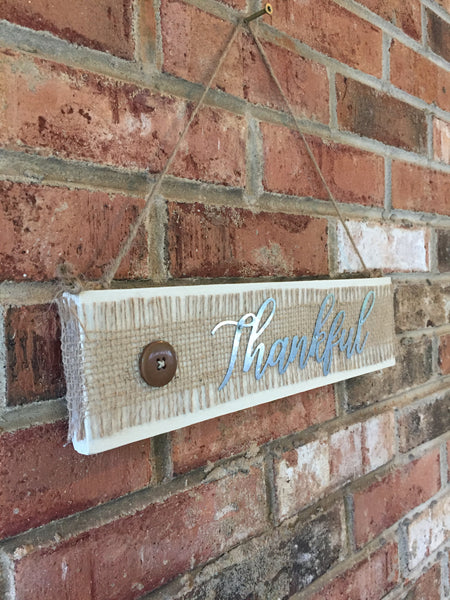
147	430
91	444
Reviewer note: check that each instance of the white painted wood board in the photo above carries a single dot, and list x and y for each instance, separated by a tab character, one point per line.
301	332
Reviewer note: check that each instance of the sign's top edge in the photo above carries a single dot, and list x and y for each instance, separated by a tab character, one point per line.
225	288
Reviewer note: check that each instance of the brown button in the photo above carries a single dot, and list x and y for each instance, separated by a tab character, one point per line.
158	363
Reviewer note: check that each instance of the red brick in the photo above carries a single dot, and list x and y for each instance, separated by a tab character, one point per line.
146	33
214	149
332	30
420	189
438	32
370	579
34	369
427	587
56	109
194	57
52	574
44	226
43	478
353	175
418	76
384	502
133	555
100	24
444	354
373	114
405	15
243	74
441	140
212	440
52	109
304	82
227	242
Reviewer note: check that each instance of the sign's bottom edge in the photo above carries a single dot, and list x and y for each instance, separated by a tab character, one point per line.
92	445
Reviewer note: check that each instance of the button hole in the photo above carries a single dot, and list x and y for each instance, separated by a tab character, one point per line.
161	363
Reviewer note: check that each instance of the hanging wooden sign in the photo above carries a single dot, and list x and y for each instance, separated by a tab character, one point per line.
226	348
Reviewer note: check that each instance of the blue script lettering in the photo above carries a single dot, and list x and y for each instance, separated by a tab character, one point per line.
284	351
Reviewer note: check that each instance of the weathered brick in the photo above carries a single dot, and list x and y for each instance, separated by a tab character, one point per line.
243	431
427	587
438	32
443	250
428	531
423	423
239	4
421	305
414	365
53	109
332	30
225	242
448	457
346	454
34	369
278	565
306	473
100	24
421	189
397	248
418	76
405	15
384	502
136	554
43	478
353	175
444	354
445	4
244	73
377	441
43	226
369	579
361	448
441	140
302	476
373	114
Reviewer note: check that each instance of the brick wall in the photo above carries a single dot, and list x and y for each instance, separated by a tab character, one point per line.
338	493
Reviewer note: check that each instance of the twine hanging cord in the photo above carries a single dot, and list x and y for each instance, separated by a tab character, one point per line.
111	270
308	147
108	275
